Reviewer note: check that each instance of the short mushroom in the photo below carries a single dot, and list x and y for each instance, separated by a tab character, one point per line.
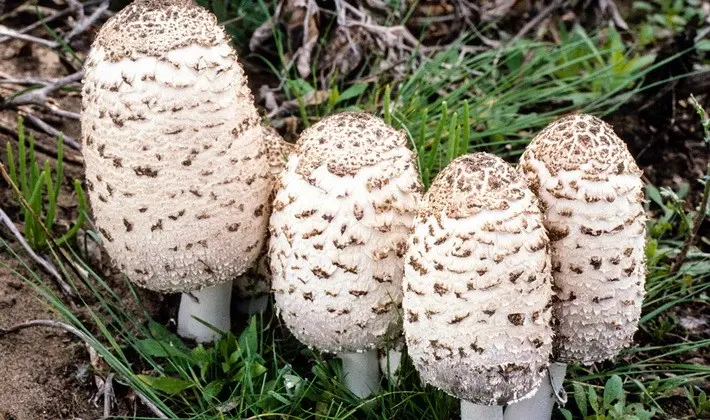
176	163
342	213
253	287
592	195
477	287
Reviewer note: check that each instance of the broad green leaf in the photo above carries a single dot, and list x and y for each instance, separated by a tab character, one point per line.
165	384
593	399
566	413
580	398
212	389
352	92
613	389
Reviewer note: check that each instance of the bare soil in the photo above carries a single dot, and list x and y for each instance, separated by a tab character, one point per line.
45	371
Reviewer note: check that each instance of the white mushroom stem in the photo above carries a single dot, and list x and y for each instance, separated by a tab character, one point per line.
471	411
540	405
389	365
211	305
361	372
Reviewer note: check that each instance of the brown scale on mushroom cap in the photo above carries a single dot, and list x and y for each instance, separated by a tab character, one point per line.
342	213
592	193
480	181
349	152
584	140
278	150
477	284
257	281
156	27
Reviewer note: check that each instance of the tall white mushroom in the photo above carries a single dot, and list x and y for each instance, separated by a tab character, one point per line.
477	287
342	214
175	158
592	194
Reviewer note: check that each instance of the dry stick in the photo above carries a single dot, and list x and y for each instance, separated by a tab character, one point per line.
68	140
700	217
16	35
85	22
39	96
9	79
690	236
108	395
46	264
40	22
66	327
150	405
527	28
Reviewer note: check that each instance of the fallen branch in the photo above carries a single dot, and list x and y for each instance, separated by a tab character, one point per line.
11	33
46	264
40	96
85	22
107	392
702	211
68	140
50	323
39	23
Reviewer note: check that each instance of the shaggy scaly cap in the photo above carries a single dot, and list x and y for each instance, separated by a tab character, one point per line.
341	217
477	284
592	193
257	281
176	164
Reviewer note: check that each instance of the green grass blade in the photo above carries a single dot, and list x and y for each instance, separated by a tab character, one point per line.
60	166
51	197
453	138
12	168
23	159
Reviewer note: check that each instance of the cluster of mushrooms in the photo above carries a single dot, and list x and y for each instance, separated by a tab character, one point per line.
497	277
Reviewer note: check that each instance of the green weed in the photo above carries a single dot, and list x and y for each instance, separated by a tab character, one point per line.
40	191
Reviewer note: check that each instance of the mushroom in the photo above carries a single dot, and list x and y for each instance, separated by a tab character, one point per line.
252	288
592	195
176	164
342	213
477	287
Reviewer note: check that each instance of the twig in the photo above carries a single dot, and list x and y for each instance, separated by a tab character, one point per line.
63	286
85	22
691	235
609	5
150	405
16	35
51	323
10	80
39	96
702	211
108	395
40	22
535	21
68	140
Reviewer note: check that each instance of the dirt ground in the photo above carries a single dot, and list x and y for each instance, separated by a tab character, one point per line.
45	373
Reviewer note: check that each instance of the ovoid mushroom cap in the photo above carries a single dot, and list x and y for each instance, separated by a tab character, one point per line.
477	284
153	28
176	164
592	194
342	213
